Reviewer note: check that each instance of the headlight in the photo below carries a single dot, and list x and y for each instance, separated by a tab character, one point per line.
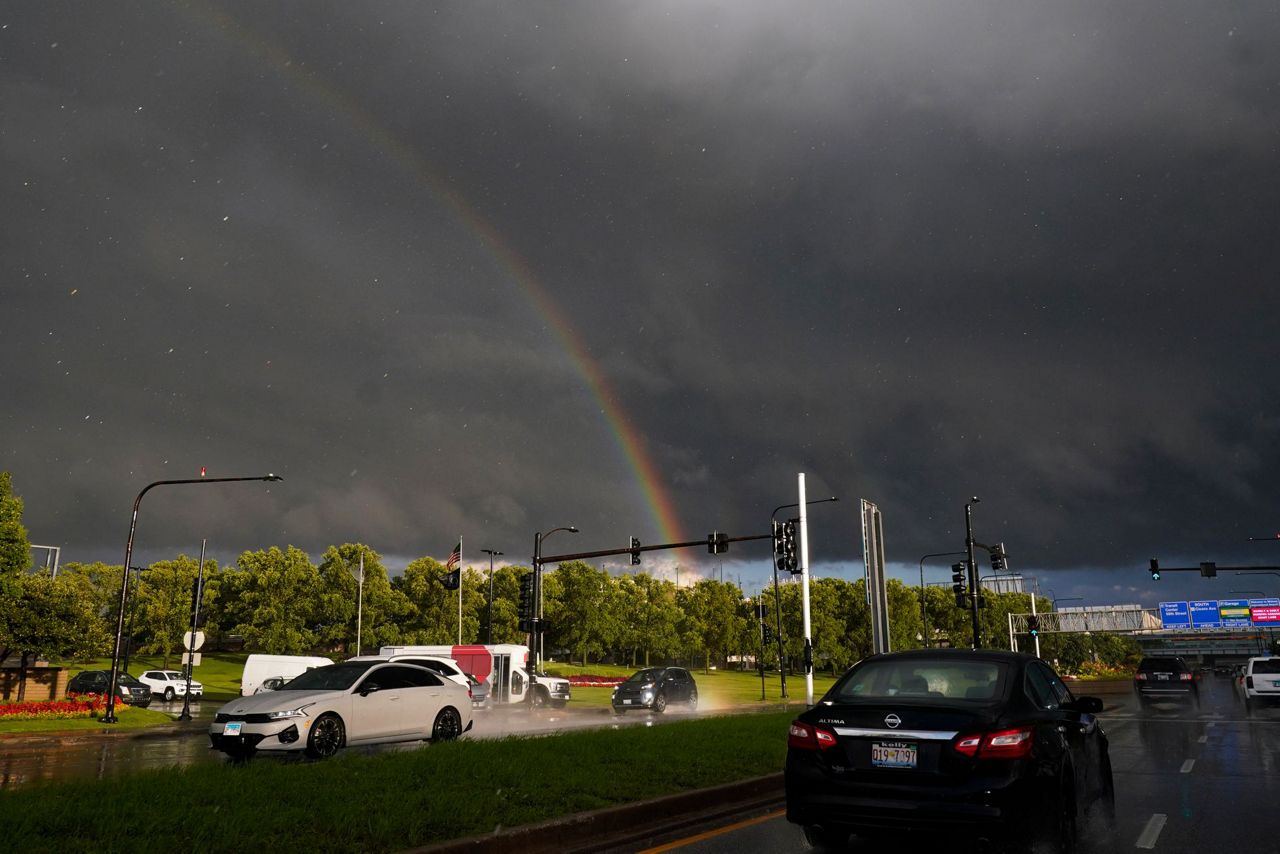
289	713
647	696
124	689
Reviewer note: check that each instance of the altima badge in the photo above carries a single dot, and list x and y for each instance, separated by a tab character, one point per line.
892	721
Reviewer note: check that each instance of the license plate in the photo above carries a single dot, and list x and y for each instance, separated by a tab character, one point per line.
232	728
893	754
626	702
1163	677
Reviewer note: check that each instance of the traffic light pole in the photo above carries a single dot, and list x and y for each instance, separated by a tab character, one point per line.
973	570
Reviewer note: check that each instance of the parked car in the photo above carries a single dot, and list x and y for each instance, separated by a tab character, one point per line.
170	683
352	703
479	692
655	688
128	689
973	742
1166	677
1261	684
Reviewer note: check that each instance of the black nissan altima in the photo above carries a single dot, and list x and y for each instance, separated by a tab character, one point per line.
985	743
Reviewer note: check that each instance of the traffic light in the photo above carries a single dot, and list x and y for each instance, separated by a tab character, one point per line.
998	558
526	601
717	543
1155	570
768	634
785	547
761	611
1208	569
960	584
635	551
1033	625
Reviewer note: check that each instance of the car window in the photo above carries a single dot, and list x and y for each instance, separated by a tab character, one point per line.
332	677
649	674
415	678
1060	691
1162	665
921	678
1039	689
1268	665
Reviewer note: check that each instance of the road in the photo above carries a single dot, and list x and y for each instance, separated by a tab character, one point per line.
98	755
1186	783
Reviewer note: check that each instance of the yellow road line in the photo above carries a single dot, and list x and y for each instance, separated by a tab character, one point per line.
680	843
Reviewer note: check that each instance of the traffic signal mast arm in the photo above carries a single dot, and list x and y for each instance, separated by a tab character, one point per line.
636	550
1207	568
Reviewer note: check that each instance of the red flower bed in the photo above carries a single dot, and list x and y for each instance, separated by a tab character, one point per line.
586	681
81	706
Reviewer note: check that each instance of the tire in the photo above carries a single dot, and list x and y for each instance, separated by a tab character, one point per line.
693	699
659	703
539	697
448	725
1058	829
825	839
327	736
169	695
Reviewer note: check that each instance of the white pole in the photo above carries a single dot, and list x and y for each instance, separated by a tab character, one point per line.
459	591
360	602
804	579
1033	613
1013	646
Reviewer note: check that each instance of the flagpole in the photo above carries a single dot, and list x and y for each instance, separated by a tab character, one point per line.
459	591
360	601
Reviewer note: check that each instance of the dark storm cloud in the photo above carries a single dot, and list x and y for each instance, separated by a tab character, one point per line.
917	251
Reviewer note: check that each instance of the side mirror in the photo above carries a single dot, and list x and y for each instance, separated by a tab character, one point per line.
1088	705
367	689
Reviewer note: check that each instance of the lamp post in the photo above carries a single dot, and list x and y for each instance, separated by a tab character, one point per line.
492	554
110	716
924	607
973	570
191	647
537	584
777	597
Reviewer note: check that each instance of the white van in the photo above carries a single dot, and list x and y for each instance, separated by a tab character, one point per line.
271	668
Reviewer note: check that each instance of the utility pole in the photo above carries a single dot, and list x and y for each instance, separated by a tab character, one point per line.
974	580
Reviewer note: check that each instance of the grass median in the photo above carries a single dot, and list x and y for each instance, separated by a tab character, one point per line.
393	801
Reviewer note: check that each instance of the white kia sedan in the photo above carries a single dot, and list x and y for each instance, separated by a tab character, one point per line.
341	705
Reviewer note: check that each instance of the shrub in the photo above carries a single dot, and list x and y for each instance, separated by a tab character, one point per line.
75	706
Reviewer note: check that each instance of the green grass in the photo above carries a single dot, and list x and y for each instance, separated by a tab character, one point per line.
127	717
392	801
716	690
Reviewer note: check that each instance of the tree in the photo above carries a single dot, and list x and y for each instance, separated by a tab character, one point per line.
46	620
382	608
433	618
578	609
15	548
275	600
160	611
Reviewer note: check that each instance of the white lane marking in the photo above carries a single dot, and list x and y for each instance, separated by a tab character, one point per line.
1209	724
1150	833
1202	739
1186	766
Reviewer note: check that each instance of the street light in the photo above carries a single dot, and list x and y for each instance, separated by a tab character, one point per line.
973	570
537	583
110	716
492	554
924	607
195	625
777	597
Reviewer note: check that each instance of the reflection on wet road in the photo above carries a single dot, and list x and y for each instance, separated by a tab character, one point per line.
114	753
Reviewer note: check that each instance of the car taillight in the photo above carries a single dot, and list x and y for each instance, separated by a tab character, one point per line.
1141	677
806	737
1002	744
1248	681
1185	677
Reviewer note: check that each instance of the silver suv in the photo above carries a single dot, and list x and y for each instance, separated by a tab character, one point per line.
1261	683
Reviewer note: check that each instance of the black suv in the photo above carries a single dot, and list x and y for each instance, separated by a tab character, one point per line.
128	689
653	688
1166	678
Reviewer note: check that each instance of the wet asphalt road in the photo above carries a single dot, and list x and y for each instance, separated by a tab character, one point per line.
115	753
1187	782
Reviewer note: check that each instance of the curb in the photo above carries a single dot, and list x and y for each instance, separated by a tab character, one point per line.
625	827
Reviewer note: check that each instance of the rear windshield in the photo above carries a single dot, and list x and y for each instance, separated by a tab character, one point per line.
923	678
1170	665
1270	665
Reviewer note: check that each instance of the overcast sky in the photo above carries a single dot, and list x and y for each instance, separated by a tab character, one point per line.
485	269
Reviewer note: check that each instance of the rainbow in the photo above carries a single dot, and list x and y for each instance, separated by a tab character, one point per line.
628	440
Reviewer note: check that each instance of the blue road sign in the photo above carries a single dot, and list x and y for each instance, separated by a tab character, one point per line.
1234	613
1204	614
1174	615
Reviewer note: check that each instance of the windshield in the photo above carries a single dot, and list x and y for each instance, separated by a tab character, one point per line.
921	678
1162	664
333	677
1270	665
653	674
130	680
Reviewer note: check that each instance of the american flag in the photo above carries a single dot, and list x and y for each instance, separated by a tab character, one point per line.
454	556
